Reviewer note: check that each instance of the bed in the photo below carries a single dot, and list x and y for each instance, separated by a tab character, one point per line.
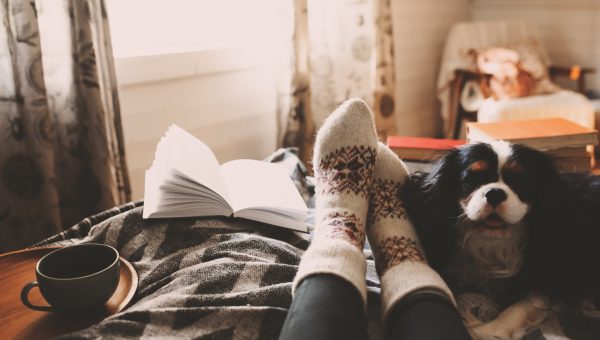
222	278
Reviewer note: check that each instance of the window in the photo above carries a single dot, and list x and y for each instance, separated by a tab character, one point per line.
156	40
151	27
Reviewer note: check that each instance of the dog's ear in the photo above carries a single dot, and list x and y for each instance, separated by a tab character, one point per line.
435	188
431	200
551	224
545	177
442	181
535	159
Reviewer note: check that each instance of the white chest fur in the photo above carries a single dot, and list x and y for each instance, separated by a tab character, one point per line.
485	254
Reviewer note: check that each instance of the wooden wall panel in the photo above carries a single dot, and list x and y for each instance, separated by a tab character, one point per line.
420	29
229	107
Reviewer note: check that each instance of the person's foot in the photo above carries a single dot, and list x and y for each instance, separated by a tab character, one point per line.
343	162
393	238
344	157
399	259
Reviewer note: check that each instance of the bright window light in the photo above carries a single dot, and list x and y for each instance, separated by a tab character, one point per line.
147	27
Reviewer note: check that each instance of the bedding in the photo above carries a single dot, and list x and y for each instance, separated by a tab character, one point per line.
202	278
223	278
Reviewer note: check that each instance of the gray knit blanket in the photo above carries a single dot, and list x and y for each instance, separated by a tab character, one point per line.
222	278
208	278
203	278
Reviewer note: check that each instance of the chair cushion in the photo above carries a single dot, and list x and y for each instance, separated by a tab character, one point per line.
565	104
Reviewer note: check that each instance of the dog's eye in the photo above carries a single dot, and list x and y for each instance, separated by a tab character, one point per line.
518	184
473	179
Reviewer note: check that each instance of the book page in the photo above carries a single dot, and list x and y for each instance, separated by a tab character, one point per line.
184	179
185	155
253	184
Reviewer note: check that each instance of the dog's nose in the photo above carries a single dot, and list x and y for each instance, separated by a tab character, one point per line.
495	196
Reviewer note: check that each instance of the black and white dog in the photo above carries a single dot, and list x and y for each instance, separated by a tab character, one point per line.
502	220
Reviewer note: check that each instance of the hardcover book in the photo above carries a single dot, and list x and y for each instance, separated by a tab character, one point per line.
186	180
421	149
542	134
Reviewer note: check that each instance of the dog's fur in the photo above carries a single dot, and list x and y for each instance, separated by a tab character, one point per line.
539	245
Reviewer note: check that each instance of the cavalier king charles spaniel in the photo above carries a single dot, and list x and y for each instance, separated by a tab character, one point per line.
501	220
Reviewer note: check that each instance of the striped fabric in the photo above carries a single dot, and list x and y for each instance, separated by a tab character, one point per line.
221	278
202	278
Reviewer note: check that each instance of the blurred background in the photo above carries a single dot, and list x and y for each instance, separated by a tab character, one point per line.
88	87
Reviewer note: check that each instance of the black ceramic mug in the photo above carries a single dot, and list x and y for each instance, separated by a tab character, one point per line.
75	278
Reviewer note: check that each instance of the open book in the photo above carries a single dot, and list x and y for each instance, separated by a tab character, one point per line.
186	180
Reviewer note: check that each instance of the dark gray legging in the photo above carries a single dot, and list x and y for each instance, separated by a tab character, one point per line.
328	307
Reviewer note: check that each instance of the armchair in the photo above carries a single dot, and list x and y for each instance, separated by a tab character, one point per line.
457	69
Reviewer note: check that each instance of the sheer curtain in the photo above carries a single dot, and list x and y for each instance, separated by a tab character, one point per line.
337	49
61	143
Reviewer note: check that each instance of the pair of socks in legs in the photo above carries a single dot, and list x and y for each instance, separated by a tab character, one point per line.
358	181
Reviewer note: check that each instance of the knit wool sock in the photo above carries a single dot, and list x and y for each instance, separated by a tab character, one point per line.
399	259
344	156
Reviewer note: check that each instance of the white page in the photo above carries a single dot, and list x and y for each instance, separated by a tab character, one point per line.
256	184
193	159
177	182
275	218
150	193
181	154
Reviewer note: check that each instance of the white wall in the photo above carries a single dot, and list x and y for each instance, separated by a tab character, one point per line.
226	98
569	29
420	29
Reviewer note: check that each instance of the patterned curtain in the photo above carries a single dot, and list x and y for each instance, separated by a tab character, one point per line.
339	49
61	142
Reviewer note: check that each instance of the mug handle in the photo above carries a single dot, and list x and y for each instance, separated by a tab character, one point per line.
25	298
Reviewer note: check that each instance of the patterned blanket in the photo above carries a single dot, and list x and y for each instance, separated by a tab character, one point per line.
202	278
224	278
213	278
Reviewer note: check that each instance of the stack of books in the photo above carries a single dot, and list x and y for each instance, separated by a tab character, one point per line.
419	149
569	143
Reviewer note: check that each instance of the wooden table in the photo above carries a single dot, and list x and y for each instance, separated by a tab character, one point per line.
18	322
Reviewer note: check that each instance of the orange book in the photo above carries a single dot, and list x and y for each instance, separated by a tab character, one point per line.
543	134
421	149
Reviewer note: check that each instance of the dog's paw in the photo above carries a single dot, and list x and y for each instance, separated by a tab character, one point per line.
469	319
492	331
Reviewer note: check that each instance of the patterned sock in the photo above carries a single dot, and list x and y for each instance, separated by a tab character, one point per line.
399	259
345	151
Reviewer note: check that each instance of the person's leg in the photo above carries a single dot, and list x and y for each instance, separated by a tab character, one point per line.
425	316
344	156
413	295
325	307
